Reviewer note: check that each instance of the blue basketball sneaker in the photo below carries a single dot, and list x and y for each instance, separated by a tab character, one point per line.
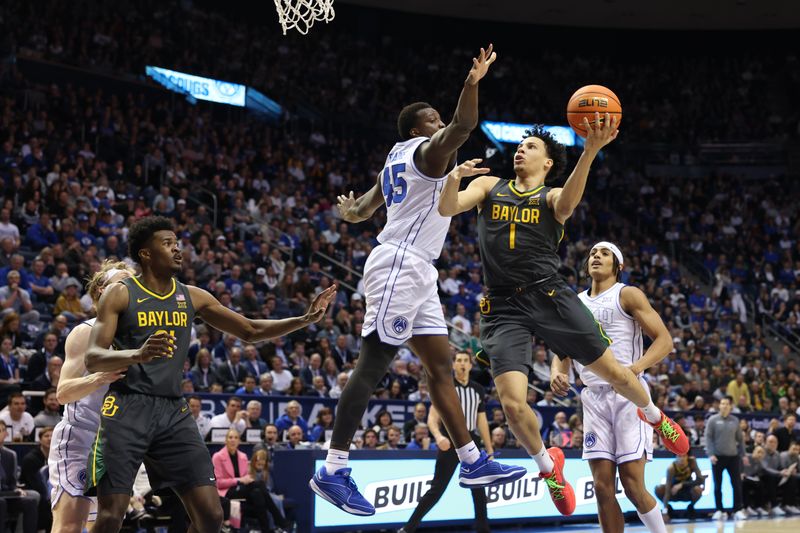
340	489
484	473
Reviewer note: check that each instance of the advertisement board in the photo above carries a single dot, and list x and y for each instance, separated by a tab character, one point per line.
395	486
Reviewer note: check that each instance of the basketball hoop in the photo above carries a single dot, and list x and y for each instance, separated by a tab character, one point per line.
301	14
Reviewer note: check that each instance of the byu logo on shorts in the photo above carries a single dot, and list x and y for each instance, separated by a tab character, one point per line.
82	477
400	324
590	440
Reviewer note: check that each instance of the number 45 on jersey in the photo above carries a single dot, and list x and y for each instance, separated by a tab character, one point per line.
394	186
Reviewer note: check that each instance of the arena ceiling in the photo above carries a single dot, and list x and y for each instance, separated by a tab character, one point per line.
631	14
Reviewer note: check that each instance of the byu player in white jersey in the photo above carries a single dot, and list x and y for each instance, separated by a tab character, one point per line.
401	291
82	393
615	438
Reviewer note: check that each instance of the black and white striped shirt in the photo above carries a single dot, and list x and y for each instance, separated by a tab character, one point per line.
470	396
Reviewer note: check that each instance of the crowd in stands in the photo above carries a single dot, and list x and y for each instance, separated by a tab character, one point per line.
79	165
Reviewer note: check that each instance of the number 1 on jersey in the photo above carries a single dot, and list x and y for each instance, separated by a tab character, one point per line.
394	186
512	233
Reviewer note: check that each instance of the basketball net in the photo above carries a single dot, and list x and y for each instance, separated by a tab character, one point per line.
301	14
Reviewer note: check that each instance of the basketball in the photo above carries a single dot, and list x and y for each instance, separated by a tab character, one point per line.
589	100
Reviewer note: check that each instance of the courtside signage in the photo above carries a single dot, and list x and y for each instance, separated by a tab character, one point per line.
511	132
395	486
221	92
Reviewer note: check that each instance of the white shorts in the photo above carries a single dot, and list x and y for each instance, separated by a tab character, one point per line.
67	462
611	428
401	295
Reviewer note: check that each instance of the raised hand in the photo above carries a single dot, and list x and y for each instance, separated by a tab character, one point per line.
601	134
345	204
319	306
480	65
157	345
468	168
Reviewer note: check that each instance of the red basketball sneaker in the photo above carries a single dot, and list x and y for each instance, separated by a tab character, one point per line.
672	435
560	490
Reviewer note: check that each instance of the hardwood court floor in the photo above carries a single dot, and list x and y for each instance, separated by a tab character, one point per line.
760	525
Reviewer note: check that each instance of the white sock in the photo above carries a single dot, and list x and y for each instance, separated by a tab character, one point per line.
652	413
468	453
335	460
543	460
653	520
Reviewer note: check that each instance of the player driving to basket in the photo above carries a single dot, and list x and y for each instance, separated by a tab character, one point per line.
401	291
520	225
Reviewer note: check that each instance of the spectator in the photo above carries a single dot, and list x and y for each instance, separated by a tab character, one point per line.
324	423
38	362
392	439
541	368
547	401
14	298
10	328
261	497
41	289
296	388
270	442
369	440
684	483
249	388
203	374
341	381
26	502
252	361
16	418
231	470
233	417
560	434
790	463
498	438
787	433
753	490
738	389
51	376
313	369
294	437
232	372
383	421
292	417
203	422
420	417
281	378
254	419
51	414
318	388
265	385
32	475
68	302
421	394
776	478
421	439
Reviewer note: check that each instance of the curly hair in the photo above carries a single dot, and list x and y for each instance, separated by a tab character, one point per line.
142	231
407	119
98	281
555	151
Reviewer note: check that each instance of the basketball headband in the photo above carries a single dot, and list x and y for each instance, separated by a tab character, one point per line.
111	273
614	250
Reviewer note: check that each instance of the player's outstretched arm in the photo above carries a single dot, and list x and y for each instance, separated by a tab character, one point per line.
73	385
565	200
453	202
359	209
635	303
220	317
559	375
434	156
99	358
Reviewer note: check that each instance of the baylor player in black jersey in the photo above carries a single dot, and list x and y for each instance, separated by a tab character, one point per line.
520	225
148	322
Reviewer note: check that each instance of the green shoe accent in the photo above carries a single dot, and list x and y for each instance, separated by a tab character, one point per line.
554	488
667	430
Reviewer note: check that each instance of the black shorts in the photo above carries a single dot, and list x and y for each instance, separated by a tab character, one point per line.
683	495
551	311
158	431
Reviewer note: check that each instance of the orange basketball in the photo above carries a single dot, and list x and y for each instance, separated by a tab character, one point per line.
589	100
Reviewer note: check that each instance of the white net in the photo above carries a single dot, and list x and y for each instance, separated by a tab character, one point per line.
302	14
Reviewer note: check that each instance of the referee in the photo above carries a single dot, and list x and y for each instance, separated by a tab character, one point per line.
470	395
